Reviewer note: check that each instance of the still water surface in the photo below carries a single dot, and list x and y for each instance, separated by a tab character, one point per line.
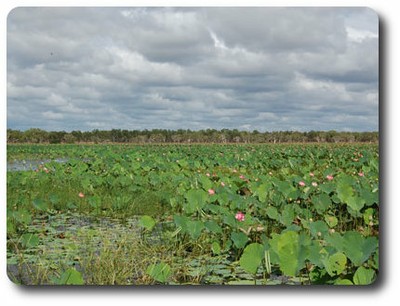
27	165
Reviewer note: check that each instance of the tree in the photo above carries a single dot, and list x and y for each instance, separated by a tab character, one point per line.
56	137
69	138
77	135
14	136
35	135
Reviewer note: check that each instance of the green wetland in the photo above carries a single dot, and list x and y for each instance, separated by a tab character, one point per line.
249	214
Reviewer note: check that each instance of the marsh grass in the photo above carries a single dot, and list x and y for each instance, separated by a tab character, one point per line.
105	252
118	260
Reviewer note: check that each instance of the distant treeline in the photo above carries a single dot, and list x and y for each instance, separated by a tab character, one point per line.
36	135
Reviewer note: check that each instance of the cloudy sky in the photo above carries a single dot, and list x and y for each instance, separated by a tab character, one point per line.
192	68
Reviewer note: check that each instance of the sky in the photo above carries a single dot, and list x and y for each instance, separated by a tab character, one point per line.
247	68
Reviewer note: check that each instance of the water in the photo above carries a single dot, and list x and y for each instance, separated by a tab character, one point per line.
31	165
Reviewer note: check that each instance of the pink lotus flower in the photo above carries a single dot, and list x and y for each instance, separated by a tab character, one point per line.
329	177
361	174
239	216
81	195
302	184
314	184
242	177
311	174
208	174
211	191
222	184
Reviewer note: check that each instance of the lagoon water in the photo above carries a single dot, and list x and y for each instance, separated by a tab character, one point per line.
29	165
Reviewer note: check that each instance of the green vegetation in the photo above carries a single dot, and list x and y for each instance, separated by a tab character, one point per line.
35	135
194	214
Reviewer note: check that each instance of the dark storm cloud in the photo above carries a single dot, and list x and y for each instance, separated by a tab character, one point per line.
143	68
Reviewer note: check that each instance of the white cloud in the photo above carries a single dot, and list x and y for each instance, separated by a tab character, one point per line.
52	115
323	88
358	35
143	68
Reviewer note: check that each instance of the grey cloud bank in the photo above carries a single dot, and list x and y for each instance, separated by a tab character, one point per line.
193	68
